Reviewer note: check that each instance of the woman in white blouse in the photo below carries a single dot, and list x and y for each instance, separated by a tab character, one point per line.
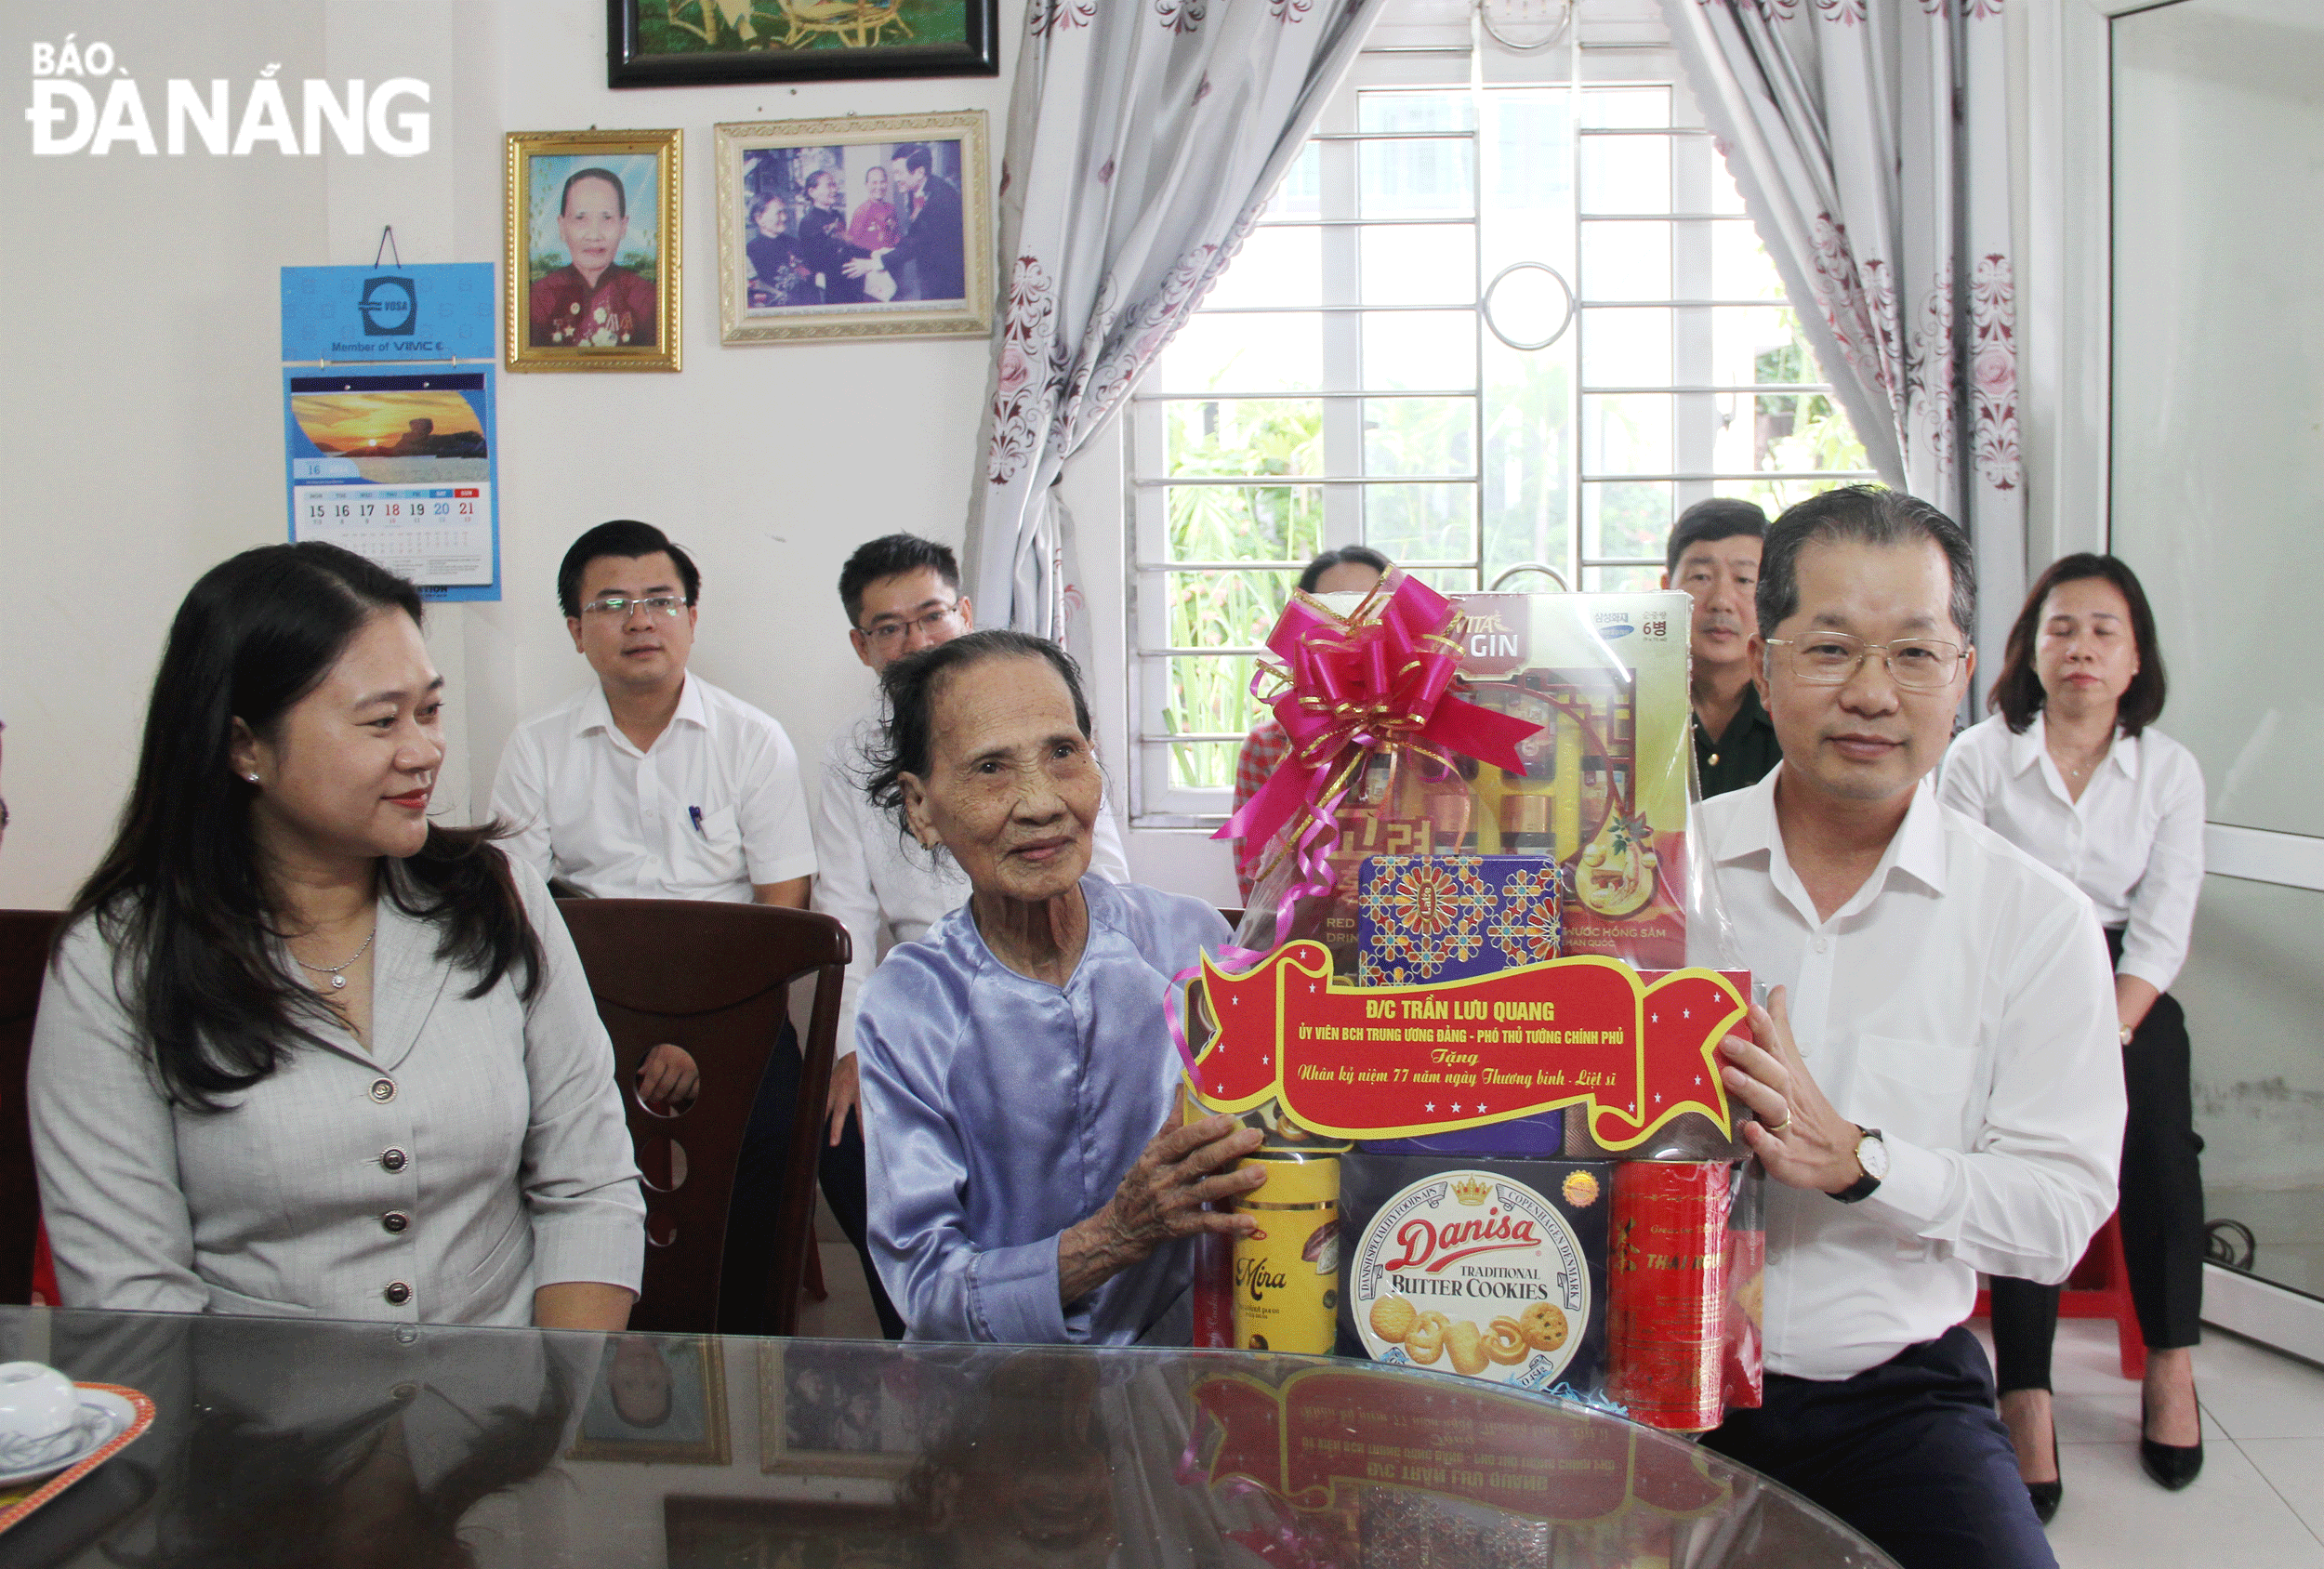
2070	769
300	1052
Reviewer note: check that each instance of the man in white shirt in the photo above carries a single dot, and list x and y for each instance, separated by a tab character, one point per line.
653	783
1936	1080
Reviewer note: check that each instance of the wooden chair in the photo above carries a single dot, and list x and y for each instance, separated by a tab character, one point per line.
715	979
25	936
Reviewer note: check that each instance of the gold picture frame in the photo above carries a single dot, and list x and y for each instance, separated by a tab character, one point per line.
598	311
801	202
656	1397
824	1410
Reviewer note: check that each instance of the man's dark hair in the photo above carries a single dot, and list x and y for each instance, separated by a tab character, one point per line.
1346	556
912	155
1723	517
1870	515
621	192
891	555
628	539
2017	695
911	685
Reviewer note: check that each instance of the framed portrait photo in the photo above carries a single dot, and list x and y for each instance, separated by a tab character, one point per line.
593	250
855	228
657	1397
825	1409
698	43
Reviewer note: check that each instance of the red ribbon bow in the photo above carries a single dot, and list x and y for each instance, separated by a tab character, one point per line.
1378	679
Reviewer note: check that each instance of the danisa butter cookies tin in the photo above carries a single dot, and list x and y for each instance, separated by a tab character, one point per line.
1491	1269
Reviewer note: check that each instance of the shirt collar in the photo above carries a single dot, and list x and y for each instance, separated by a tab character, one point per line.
598	715
2025	750
1917	850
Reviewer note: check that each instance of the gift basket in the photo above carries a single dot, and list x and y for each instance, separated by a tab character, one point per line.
1474	1006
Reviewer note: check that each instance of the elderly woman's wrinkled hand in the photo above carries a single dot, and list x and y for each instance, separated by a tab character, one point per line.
1161	1199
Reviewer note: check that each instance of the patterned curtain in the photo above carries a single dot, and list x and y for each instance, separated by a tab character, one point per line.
1143	138
1870	140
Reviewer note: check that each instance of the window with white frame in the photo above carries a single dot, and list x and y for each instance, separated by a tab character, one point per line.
1485	324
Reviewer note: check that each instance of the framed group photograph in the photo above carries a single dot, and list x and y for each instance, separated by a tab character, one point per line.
825	1409
696	43
657	1397
854	228
593	250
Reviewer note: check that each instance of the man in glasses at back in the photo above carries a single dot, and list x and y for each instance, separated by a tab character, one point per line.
653	783
1936	1079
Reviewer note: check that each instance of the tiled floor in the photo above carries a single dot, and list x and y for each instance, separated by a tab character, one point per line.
2258	1504
2259	1501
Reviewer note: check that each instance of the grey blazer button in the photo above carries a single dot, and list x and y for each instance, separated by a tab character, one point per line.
394	1220
383	1090
394	1160
397	1294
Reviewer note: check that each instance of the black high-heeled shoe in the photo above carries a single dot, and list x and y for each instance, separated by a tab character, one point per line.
2172	1465
2046	1496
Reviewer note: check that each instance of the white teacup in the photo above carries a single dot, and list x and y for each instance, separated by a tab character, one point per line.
40	1415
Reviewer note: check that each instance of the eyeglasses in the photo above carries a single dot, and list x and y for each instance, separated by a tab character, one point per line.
1833	658
885	633
614	605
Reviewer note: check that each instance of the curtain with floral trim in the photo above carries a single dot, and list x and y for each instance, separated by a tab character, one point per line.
1871	141
1143	138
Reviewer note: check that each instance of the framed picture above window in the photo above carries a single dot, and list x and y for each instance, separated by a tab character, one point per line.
854	228
592	250
698	43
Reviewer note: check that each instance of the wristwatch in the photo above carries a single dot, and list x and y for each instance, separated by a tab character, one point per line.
1872	1156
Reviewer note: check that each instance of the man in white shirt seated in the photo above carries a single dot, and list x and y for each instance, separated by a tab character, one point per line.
1937	1080
653	783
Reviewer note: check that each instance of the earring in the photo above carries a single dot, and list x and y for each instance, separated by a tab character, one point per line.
252	777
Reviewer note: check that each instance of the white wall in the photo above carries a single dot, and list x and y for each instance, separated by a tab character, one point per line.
142	408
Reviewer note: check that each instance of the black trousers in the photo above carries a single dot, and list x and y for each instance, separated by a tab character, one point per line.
2161	1213
1910	1453
760	1171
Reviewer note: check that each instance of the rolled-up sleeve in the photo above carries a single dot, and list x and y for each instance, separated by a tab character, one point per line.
106	1146
2038	1180
2162	905
579	1174
945	1286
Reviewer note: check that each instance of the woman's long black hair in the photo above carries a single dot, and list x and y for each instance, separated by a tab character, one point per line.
180	898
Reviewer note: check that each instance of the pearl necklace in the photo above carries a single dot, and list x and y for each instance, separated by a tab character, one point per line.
337	979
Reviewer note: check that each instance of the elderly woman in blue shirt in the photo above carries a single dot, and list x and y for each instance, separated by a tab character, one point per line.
1016	1061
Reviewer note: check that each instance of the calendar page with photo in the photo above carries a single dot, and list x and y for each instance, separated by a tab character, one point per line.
398	467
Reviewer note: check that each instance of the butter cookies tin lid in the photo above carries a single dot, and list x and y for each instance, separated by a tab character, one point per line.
1468	1271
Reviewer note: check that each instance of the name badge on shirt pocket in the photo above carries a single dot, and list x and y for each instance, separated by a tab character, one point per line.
714	854
1915	1089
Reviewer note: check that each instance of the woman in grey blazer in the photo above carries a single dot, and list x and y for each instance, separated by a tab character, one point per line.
300	1052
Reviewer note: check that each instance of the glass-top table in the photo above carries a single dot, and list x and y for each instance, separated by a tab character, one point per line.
307	1441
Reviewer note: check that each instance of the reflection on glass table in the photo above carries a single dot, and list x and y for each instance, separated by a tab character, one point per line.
284	1441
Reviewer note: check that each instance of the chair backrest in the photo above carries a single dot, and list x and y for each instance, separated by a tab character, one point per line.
715	979
25	937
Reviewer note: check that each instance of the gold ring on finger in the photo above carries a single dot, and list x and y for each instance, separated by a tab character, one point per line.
1779	1127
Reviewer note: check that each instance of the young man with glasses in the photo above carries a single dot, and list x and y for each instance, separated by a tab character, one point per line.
653	783
1936	1080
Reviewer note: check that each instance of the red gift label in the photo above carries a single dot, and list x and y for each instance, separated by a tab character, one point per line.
1395	1062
